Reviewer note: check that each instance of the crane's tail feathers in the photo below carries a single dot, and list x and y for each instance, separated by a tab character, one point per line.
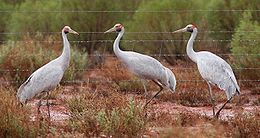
171	80
21	89
229	86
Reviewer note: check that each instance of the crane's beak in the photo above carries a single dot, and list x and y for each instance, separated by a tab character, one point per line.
180	30
73	32
110	30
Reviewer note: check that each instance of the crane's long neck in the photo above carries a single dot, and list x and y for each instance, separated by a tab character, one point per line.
118	52
65	56
190	52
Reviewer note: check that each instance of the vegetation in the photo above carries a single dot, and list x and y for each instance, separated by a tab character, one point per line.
15	120
244	43
112	116
103	104
246	124
166	22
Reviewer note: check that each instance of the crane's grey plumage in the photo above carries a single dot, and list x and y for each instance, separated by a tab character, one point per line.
213	69
143	66
48	76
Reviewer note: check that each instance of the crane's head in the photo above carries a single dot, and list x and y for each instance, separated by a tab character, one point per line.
189	28
117	28
67	30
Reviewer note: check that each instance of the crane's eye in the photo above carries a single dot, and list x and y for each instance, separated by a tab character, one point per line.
66	30
189	29
118	29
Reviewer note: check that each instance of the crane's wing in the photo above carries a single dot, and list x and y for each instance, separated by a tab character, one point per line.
144	66
217	71
45	78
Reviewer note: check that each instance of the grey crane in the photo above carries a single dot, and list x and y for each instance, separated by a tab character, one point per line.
143	66
46	78
213	69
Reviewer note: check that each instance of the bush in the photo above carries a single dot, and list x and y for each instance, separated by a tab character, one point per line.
228	21
33	22
244	43
126	121
18	60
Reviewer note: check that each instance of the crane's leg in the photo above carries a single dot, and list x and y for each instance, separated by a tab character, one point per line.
39	106
19	104
161	88
48	105
217	114
145	90
211	98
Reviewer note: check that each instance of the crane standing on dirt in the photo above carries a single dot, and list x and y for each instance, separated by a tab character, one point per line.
143	66
213	69
48	76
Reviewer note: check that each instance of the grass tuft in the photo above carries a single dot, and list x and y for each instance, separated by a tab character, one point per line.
112	115
15	120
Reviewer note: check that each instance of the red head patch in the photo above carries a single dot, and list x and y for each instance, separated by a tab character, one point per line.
193	26
118	25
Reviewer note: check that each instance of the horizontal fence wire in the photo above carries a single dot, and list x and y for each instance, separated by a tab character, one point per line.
153	55
123	11
122	81
117	69
131	41
201	31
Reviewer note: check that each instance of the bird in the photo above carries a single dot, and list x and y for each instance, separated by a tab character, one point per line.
47	77
143	66
213	69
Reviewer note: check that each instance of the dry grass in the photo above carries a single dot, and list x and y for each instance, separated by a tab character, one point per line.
15	120
96	114
246	124
104	108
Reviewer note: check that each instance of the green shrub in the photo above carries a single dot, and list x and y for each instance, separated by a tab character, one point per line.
126	121
244	43
163	22
228	20
33	22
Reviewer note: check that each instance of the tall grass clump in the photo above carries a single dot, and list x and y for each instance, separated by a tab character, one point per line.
111	116
15	120
19	59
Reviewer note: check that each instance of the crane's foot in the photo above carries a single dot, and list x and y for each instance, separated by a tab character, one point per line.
217	115
19	104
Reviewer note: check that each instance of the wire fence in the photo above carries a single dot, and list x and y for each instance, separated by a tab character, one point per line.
132	42
201	31
123	11
241	82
